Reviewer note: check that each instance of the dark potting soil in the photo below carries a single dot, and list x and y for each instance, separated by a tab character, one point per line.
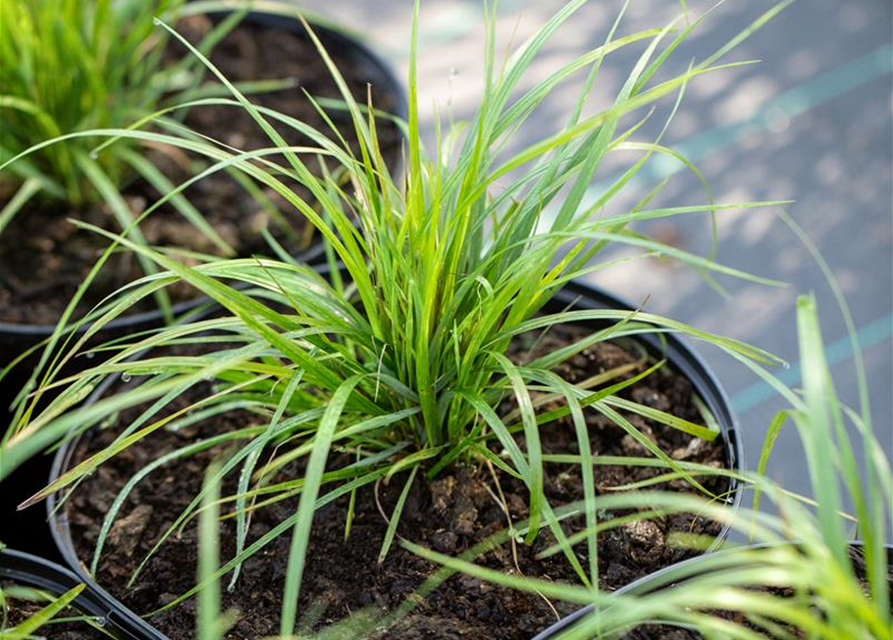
43	257
460	508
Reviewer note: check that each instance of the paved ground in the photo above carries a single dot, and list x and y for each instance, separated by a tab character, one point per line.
811	123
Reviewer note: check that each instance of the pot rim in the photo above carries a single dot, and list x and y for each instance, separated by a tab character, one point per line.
315	253
679	355
644	585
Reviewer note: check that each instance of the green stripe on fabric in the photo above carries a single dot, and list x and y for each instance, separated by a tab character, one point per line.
791	103
870	335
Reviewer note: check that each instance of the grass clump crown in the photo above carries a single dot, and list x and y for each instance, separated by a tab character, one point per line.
400	357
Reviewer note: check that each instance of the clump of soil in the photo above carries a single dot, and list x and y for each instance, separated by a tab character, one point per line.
43	257
460	508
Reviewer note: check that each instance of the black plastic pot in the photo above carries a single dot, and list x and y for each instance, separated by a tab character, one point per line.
26	530
29	570
581	296
662	579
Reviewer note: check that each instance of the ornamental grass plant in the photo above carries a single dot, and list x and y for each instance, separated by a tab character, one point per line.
399	355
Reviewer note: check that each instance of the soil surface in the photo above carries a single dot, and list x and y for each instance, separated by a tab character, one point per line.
43	257
459	508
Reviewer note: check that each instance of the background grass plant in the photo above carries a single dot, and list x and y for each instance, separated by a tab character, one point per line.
76	66
69	66
400	357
